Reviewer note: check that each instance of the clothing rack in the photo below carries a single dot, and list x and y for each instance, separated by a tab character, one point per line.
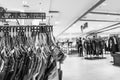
94	47
30	48
36	39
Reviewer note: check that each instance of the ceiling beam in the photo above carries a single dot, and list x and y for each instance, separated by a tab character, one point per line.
109	26
109	29
104	28
93	20
92	8
107	33
104	13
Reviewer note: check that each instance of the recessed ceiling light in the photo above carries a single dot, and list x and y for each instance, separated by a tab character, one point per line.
108	15
104	4
74	25
90	14
24	2
40	9
57	22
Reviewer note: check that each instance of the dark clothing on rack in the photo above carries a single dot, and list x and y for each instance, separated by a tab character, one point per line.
89	47
94	46
86	46
113	44
20	65
27	58
20	68
80	47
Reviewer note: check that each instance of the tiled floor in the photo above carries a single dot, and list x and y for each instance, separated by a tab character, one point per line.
77	68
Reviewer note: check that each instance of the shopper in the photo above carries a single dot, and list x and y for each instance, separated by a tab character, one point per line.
94	45
85	45
113	45
77	43
89	47
80	47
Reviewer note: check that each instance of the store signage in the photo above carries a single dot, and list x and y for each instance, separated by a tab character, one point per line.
22	15
84	26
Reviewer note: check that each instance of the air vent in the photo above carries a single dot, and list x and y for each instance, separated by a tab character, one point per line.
27	6
53	11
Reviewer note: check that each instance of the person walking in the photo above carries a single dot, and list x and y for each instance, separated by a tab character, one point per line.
80	47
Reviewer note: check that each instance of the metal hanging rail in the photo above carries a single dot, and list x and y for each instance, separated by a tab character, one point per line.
96	20
104	13
97	31
109	29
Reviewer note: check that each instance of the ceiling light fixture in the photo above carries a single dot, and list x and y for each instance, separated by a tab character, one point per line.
74	25
104	4
57	22
90	14
25	4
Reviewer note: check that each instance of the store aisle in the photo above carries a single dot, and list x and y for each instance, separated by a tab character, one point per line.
76	68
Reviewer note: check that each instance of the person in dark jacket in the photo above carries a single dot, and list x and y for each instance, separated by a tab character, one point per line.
80	47
94	46
85	45
113	45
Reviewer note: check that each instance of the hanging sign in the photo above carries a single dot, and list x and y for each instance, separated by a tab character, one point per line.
84	26
22	15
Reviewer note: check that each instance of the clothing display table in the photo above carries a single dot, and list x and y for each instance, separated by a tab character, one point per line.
116	58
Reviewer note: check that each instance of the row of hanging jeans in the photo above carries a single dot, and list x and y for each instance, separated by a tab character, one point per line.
94	46
27	58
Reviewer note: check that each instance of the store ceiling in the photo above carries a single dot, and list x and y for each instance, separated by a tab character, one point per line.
106	14
70	10
31	5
